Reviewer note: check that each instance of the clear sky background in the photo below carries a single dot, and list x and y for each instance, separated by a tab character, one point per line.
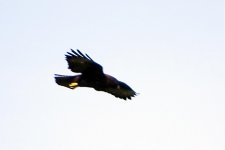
169	51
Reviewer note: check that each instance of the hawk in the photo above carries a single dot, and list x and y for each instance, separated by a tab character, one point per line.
92	76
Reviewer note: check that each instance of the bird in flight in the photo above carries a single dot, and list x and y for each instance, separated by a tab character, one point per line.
92	76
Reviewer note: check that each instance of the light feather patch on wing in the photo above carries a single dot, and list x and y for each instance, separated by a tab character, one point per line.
73	85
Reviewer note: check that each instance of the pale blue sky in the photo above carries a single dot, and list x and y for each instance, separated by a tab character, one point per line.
171	52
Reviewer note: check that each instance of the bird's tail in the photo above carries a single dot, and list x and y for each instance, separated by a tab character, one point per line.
67	81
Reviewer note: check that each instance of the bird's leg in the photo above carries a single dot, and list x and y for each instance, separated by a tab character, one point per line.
73	85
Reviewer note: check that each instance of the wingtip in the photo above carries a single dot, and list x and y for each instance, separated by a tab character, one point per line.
78	50
136	94
72	50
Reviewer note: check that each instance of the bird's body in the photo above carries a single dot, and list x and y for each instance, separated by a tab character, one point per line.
92	76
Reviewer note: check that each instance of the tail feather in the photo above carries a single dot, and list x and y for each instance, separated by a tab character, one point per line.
67	81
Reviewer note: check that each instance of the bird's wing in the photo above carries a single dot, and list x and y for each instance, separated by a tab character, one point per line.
80	63
122	90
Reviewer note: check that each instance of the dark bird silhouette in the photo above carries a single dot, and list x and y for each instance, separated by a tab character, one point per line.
92	76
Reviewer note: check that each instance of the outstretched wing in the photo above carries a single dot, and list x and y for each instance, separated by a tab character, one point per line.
80	63
122	90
